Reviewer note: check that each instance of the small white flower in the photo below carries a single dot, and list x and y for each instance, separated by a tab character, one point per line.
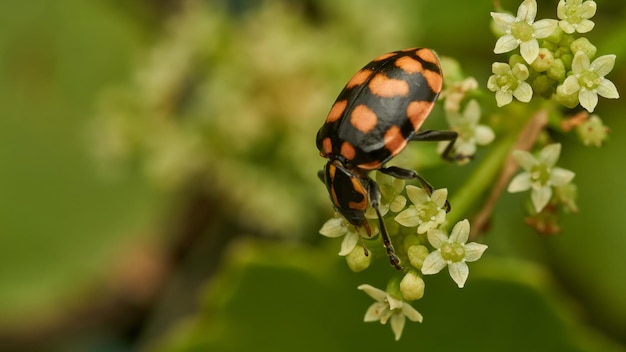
452	252
427	211
510	82
470	132
540	175
575	15
388	308
522	31
337	227
587	79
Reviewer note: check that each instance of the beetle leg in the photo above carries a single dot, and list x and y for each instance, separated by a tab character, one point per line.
407	174
374	199
439	136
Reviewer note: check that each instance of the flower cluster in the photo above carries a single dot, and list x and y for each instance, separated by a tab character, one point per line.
421	240
552	62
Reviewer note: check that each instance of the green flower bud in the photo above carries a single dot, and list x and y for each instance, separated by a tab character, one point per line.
544	60
412	286
411	240
416	255
557	70
544	86
583	44
516	59
567	100
357	260
567	59
554	38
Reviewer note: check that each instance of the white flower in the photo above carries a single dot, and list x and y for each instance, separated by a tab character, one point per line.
575	15
427	211
522	31
470	132
510	82
453	252
587	79
388	308
337	227
540	175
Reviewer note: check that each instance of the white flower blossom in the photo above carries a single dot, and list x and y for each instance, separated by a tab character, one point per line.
470	132
510	82
337	227
587	79
427	211
388	308
540	174
522	31
452	252
574	15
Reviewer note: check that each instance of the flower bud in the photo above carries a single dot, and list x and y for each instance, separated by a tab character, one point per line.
557	70
543	86
416	255
567	100
412	286
544	60
357	260
583	44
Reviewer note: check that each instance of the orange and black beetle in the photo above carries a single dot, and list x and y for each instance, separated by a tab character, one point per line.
378	112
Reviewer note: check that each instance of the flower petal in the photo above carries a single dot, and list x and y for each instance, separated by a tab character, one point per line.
544	28
570	85
560	10
527	11
526	160
437	238
500	68
411	313
409	217
333	228
587	9
567	27
473	251
560	176
459	272
348	243
540	197
439	197
374	312
393	302
588	99
523	92
607	89
550	154
585	26
472	111
603	65
520	183
377	294
580	63
529	50
460	232
417	195
433	263
484	135
505	43
397	325
502	20
503	98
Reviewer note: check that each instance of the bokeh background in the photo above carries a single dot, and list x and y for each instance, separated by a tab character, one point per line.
158	189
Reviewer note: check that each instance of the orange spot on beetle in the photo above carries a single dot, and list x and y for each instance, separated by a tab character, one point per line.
394	140
417	111
336	111
386	87
434	80
409	65
372	165
347	150
357	186
363	119
427	55
328	146
359	78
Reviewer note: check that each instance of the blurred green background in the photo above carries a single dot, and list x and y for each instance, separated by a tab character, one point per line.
158	189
